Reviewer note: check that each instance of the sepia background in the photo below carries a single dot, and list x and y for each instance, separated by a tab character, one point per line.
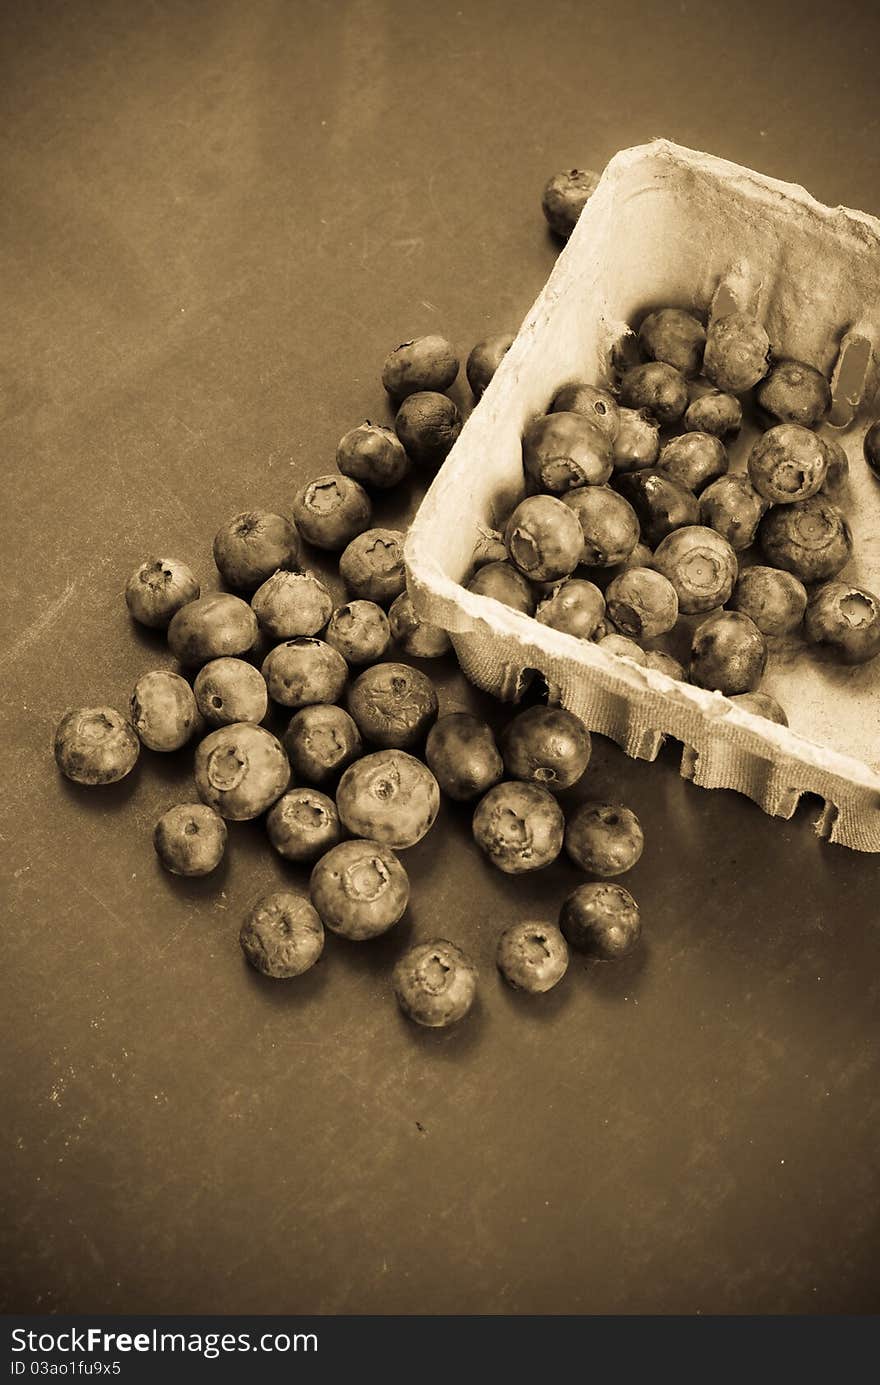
215	221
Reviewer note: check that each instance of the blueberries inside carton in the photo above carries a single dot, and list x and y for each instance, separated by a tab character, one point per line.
672	227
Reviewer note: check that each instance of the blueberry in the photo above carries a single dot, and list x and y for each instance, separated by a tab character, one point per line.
564	197
462	754
321	741
303	824
428	424
190	839
728	653
253	545
642	603
787	463
656	387
605	839
229	690
846	619
372	566
359	889
597	405
425	363
414	636
373	455
674	337
714	412
837	474
564	450
95	745
435	983
733	508
546	745
871	447
157	590
292	603
299	672
393	705
737	352
389	797
519	827
212	627
282	935
331	511
694	459
602	920
664	663
609	526
543	538
484	360
810	538
700	564
360	631
794	392
622	647
761	705
641	556
163	710
240	770
489	548
532	957
506	584
625	352
661	504
575	607
637	443
774	600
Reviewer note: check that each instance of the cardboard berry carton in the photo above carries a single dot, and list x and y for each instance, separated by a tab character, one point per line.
669	226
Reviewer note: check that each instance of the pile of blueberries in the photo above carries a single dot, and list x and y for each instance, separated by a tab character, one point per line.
653	516
663	525
361	793
644	473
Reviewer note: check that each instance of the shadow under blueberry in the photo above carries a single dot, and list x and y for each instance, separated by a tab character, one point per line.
262	645
153	642
433	854
193	886
251	834
277	718
102	798
289	990
461	393
173	767
554	242
377	956
455	1041
395	508
537	1008
616	980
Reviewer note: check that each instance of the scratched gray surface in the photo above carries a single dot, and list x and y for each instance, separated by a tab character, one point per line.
215	222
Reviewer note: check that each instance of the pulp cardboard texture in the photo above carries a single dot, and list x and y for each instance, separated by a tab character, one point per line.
671	226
